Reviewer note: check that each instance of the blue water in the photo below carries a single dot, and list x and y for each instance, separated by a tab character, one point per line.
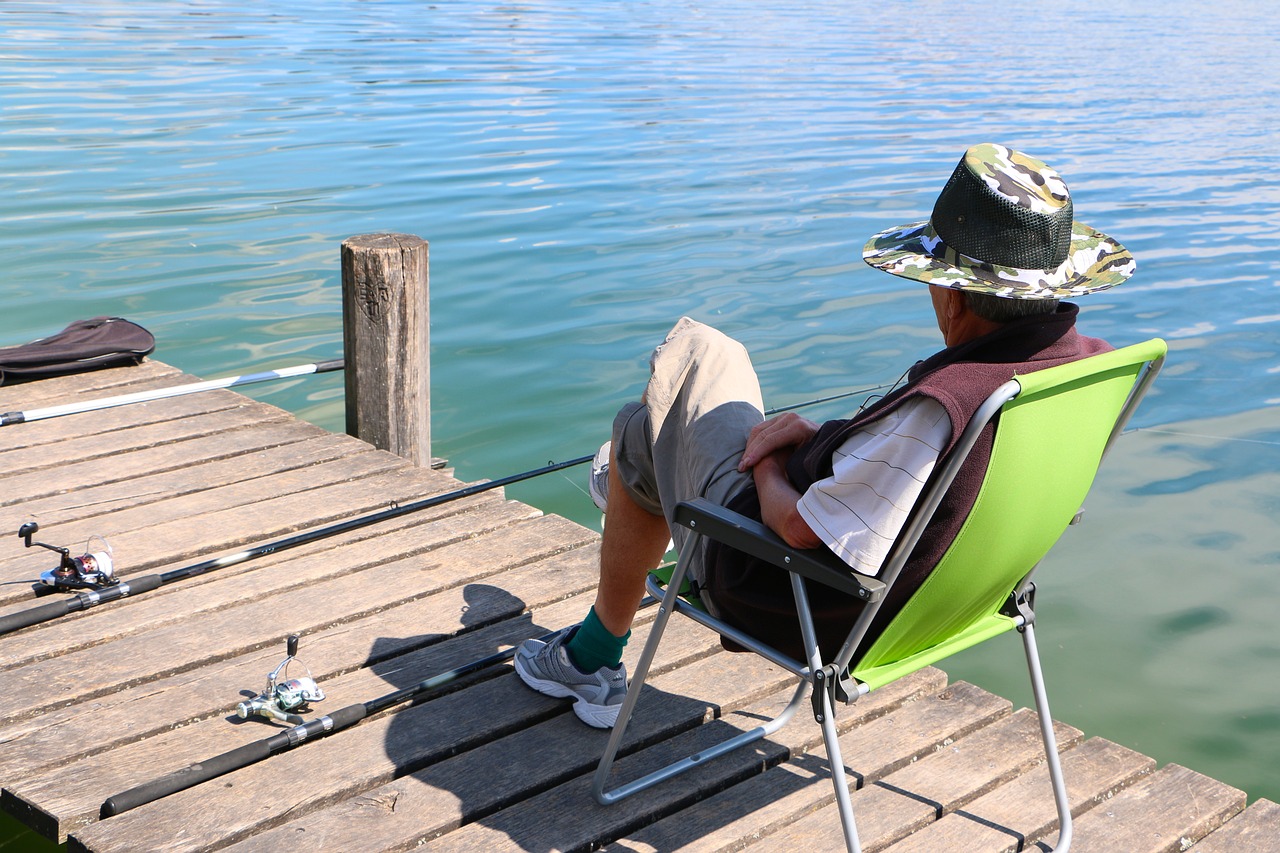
587	172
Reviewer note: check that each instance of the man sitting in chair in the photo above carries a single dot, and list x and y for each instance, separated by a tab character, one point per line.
999	252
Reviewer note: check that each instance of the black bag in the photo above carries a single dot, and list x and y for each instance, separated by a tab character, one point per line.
84	345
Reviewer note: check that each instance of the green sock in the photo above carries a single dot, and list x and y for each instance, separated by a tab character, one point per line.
593	646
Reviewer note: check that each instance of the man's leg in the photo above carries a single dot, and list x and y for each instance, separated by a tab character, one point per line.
634	542
703	398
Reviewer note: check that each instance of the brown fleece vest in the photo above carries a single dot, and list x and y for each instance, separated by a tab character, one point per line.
756	597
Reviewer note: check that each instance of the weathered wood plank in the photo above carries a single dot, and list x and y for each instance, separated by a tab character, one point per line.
243	513
137	659
1167	811
923	723
142	471
55	807
61	440
176	541
1023	811
533	823
390	818
913	797
309	564
1256	829
33	746
57	390
530	736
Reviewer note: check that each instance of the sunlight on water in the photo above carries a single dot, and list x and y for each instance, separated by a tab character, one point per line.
587	174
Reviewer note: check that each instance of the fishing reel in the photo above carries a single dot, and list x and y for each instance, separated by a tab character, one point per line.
281	698
91	570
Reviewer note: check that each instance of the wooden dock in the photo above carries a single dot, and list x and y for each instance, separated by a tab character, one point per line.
97	702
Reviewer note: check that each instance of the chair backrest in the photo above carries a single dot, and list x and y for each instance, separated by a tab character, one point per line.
1049	441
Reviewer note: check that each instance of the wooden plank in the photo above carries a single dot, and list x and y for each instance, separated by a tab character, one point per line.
528	599
136	659
65	634
534	823
277	452
1167	811
746	811
66	439
139	471
366	822
55	806
532	737
245	512
1023	811
1256	829
57	390
177	542
913	797
325	559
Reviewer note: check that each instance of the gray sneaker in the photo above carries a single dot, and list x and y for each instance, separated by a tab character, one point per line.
598	482
546	668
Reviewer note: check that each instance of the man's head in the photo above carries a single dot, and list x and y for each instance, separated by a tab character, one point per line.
1003	233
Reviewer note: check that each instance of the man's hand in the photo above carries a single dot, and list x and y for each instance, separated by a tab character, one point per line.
784	431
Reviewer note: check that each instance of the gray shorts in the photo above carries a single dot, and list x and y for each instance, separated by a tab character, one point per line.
684	439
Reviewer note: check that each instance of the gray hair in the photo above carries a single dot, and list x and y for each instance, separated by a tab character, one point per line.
999	309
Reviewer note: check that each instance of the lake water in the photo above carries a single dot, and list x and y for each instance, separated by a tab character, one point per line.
588	172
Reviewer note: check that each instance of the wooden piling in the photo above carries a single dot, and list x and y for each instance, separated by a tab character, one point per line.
386	343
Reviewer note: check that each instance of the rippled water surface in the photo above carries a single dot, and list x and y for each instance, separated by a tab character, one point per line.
587	172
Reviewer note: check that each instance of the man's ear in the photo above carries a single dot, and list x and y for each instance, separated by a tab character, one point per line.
957	303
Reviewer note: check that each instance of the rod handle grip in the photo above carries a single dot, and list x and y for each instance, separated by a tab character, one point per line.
34	615
187	777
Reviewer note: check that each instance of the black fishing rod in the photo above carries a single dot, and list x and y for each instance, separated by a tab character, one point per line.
100	586
343	718
252	753
136	586
30	415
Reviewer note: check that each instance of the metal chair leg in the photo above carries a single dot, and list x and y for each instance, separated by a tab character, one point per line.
1050	742
826	718
607	797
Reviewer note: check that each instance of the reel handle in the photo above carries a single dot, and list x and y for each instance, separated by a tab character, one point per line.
291	645
26	531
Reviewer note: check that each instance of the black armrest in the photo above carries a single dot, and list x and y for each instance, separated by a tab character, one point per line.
752	537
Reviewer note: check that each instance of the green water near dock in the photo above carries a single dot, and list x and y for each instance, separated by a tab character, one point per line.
586	173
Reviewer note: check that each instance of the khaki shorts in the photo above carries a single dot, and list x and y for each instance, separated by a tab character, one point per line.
685	438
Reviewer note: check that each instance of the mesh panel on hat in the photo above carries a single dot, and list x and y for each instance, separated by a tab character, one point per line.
973	219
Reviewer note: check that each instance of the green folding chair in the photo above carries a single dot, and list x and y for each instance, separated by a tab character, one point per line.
1054	427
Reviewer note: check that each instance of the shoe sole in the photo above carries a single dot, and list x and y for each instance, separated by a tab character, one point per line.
596	716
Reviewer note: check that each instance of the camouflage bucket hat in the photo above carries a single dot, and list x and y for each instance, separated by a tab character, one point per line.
1003	225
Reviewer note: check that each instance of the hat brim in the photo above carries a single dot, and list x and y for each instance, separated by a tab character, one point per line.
1094	262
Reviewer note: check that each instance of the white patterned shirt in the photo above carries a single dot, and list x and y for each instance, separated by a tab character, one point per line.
879	472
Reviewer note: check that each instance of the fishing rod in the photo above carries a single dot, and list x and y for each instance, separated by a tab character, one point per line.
93	573
173	391
252	753
343	718
116	588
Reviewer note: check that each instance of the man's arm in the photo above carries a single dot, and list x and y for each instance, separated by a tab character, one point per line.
778	499
769	446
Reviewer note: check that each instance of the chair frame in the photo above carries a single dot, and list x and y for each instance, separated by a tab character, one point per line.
826	682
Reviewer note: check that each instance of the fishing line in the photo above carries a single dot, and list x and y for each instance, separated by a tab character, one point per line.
1205	435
